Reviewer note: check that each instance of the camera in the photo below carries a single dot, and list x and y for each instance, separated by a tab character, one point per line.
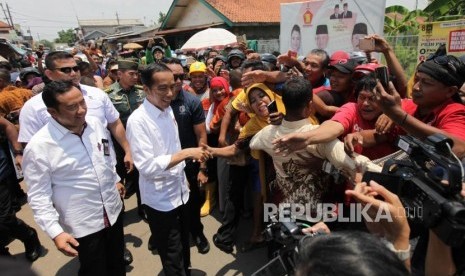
288	237
428	185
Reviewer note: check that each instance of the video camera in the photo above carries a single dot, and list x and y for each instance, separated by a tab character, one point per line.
428	185
288	236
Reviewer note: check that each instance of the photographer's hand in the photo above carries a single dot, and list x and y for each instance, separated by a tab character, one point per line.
395	229
317	227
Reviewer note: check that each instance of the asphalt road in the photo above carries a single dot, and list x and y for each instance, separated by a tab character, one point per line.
137	233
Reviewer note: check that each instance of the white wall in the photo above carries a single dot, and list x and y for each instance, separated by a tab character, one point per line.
197	14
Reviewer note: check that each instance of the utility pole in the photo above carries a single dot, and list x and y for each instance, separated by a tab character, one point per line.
11	18
117	18
6	16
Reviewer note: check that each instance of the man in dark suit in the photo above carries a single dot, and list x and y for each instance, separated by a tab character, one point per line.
346	13
336	14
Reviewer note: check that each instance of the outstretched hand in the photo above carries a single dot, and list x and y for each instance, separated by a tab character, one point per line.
290	143
351	140
383	124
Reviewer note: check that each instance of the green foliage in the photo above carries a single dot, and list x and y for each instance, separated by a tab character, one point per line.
67	36
406	49
441	10
161	17
401	20
47	44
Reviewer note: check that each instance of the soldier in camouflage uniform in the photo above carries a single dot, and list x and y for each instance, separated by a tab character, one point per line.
126	96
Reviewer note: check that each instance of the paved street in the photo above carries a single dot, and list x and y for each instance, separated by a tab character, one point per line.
137	234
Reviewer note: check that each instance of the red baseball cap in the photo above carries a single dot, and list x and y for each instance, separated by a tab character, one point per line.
338	56
364	69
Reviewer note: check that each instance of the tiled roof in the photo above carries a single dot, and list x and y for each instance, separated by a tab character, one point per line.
250	11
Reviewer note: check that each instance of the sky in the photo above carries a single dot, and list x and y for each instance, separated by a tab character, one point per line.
44	18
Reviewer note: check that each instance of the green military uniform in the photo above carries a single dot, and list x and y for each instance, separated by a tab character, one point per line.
126	101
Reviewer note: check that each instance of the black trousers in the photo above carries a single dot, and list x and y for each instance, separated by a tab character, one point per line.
194	203
101	253
10	226
170	232
130	180
239	175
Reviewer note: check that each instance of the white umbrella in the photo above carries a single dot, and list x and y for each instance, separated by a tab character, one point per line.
211	37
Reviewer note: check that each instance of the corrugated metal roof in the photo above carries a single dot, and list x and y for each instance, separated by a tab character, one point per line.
109	22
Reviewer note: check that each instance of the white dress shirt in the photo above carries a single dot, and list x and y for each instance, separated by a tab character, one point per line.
153	136
34	114
70	179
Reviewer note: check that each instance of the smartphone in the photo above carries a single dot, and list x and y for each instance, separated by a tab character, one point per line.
272	107
391	182
383	76
366	44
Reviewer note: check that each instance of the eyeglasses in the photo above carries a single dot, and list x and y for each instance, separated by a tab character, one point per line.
68	70
179	77
444	60
114	71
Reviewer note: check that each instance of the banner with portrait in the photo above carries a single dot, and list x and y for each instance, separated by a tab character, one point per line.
330	25
433	34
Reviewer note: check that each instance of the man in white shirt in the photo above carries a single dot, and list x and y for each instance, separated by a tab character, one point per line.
153	134
69	168
61	66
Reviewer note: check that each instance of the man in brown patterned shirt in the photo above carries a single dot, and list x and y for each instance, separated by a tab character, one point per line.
12	98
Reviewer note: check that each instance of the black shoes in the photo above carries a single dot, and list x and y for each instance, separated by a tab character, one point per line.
203	246
127	256
33	246
225	247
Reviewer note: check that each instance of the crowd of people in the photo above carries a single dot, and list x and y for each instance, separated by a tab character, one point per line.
188	131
